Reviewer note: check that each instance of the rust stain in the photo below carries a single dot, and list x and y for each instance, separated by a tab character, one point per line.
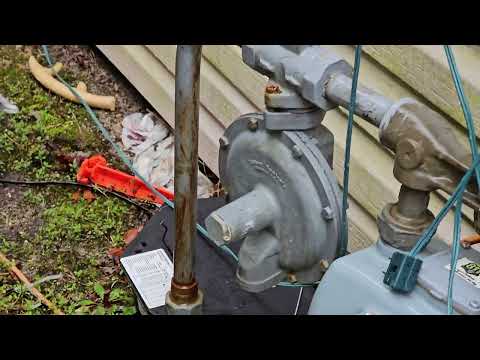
273	89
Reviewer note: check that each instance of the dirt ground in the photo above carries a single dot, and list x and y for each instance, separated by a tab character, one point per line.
58	230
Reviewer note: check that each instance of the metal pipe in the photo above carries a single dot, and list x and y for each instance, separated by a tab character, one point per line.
249	213
370	105
412	203
184	289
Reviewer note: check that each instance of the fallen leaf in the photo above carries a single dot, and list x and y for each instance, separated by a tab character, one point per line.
73	157
131	234
76	196
88	195
109	270
115	252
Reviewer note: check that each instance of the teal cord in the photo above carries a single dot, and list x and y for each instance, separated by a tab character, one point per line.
127	162
427	235
454	253
348	144
457	196
467	114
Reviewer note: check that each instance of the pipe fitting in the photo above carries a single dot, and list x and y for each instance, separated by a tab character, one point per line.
192	308
401	224
252	212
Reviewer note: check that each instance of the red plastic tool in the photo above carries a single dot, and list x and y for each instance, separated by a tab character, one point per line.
95	170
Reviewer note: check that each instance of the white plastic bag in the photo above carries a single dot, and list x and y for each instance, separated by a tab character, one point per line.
148	138
7	106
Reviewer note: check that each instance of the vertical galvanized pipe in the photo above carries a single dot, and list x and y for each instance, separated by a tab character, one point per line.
184	288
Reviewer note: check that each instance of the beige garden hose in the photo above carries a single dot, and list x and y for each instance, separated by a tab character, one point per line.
45	77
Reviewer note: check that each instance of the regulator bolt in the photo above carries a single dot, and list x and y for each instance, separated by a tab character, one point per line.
253	124
297	152
223	142
324	264
474	304
327	213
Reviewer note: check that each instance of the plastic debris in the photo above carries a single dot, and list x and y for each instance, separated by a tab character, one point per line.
140	132
95	170
7	106
149	139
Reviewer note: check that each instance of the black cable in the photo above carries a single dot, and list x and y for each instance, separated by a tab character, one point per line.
73	183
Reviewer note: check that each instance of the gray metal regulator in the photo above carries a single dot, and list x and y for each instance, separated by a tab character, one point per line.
285	204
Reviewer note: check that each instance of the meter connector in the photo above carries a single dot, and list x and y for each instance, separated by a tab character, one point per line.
402	272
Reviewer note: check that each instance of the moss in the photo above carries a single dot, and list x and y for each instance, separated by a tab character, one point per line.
44	123
71	238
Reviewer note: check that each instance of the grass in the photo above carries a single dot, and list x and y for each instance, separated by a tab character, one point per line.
70	237
44	123
73	241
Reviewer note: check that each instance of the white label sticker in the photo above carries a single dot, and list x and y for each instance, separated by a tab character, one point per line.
468	270
151	272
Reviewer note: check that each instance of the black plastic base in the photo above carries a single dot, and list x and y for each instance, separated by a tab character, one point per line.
215	271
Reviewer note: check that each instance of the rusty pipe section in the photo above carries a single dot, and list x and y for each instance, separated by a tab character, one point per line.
370	105
184	289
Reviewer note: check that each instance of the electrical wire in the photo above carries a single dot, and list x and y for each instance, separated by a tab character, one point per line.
472	137
454	254
73	183
427	235
348	143
467	114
